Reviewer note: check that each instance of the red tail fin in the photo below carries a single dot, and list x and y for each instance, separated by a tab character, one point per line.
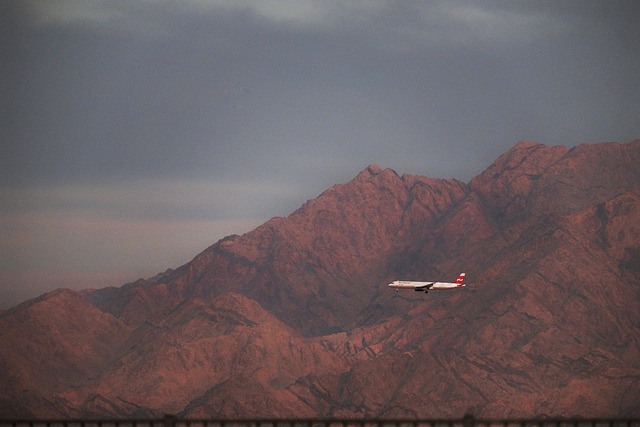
460	279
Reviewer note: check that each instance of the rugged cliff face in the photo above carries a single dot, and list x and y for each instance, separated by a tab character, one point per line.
317	269
295	318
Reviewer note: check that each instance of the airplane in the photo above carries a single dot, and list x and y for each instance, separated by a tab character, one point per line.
426	286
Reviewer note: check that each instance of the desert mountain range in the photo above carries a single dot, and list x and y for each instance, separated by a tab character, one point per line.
294	319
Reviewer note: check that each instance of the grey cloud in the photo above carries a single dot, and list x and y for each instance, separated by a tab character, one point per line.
225	87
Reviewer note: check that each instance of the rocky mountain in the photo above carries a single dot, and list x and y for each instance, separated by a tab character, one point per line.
294	319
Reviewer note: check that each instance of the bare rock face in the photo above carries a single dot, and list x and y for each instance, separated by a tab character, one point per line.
49	343
294	319
534	179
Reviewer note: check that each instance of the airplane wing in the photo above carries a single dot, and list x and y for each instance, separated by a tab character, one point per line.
422	285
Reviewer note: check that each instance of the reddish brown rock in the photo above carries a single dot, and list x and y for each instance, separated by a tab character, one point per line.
52	342
295	319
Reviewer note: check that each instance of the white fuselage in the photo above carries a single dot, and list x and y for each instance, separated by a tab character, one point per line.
404	284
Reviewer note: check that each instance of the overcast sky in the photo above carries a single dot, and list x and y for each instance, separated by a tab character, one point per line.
136	133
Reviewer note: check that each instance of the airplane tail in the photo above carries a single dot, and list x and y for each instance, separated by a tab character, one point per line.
460	279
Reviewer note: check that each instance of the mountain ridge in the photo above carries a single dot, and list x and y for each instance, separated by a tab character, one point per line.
293	319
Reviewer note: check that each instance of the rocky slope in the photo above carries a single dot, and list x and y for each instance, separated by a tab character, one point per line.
295	319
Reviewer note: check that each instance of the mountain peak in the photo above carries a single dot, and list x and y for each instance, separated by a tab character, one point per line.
373	171
533	178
